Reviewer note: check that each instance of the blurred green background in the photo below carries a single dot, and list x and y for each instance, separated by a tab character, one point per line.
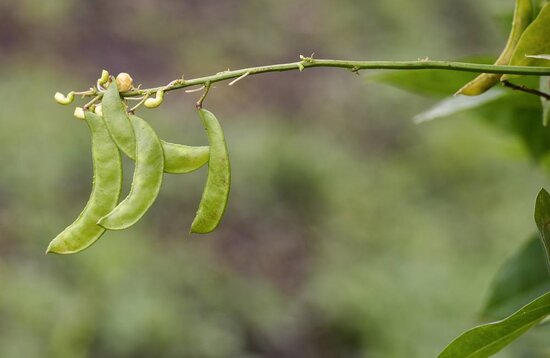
350	231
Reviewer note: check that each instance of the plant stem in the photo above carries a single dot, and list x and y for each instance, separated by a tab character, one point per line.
525	89
203	97
354	66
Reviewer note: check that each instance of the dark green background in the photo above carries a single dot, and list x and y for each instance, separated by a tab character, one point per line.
350	231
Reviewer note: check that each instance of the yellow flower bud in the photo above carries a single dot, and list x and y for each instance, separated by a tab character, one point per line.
79	113
104	77
156	101
124	82
62	99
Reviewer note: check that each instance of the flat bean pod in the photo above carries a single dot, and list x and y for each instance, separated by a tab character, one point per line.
523	14
216	191
147	179
106	188
117	121
178	158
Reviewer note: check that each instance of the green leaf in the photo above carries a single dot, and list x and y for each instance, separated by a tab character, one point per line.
523	15
512	112
433	83
542	218
535	40
539	4
488	339
545	87
541	57
523	277
456	104
519	114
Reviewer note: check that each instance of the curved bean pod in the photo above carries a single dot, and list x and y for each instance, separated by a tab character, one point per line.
178	159
147	179
216	191
523	14
106	188
117	121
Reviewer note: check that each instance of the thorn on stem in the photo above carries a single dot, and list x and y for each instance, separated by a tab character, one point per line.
238	79
195	90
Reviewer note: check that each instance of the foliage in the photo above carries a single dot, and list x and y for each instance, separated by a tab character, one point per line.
336	276
486	340
521	276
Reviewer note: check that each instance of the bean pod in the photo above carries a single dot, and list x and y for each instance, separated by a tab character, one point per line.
147	179
106	188
178	158
216	192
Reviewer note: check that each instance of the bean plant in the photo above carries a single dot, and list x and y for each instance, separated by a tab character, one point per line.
523	65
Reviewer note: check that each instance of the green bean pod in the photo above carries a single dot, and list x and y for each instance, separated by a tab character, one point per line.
178	158
216	191
523	14
147	179
117	121
106	188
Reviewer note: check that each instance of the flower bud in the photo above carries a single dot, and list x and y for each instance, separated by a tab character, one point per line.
156	101
124	82
98	110
62	99
79	113
104	77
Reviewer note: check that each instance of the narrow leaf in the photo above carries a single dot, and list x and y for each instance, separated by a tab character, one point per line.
432	83
488	339
523	277
534	41
523	14
542	218
542	57
457	104
503	113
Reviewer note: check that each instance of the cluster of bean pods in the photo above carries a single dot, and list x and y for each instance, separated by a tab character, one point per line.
114	130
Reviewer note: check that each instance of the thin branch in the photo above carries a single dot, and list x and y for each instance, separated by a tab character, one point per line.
238	79
203	97
141	101
95	99
354	66
525	89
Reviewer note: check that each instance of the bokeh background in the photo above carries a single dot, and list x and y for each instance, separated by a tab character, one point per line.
350	231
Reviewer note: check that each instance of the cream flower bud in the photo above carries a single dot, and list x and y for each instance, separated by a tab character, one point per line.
79	113
98	110
124	82
62	99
